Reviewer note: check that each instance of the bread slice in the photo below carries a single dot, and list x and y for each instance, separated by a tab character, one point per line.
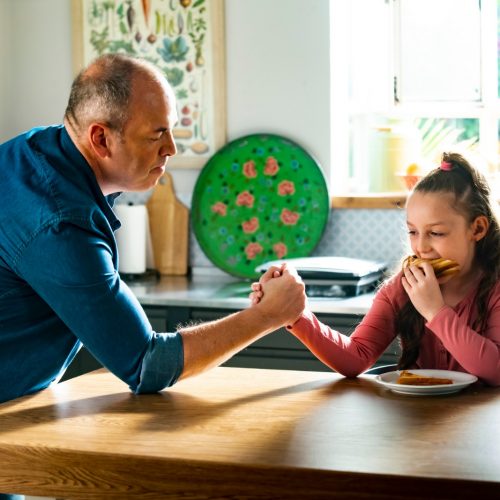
408	378
442	267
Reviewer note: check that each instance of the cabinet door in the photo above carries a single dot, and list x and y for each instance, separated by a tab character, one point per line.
83	363
280	349
157	317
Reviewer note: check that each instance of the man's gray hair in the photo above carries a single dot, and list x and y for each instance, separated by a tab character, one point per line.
102	91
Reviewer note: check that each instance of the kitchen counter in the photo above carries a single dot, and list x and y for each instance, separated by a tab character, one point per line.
221	292
254	434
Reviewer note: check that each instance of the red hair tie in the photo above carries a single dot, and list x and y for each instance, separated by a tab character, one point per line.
446	166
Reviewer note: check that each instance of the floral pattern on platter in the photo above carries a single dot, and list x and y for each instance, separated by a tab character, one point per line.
260	198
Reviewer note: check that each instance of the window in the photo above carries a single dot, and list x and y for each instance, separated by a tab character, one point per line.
411	78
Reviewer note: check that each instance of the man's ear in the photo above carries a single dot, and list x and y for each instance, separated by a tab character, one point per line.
99	139
480	227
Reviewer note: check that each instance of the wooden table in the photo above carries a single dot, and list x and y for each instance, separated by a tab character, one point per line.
245	433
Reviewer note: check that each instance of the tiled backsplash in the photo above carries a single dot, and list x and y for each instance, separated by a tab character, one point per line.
367	234
373	234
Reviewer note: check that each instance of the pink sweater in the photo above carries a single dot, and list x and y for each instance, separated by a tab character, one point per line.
449	342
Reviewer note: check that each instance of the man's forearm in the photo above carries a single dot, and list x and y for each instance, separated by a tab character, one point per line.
209	344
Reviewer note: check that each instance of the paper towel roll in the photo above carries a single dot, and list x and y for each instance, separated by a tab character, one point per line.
131	238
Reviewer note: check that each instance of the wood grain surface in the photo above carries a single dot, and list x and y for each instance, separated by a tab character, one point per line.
246	433
373	200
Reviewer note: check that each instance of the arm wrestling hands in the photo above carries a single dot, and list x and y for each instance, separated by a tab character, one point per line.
284	291
259	288
210	344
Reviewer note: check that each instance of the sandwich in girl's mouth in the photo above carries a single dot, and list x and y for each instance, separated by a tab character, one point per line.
442	267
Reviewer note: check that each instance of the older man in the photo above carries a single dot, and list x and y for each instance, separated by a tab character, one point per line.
59	284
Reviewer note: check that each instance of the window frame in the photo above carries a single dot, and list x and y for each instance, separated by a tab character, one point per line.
486	109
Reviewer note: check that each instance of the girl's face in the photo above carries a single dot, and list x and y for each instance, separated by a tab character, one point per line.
436	229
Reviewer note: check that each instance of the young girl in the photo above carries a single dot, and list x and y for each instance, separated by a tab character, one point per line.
452	323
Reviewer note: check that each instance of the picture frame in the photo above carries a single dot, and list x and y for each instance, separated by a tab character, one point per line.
186	40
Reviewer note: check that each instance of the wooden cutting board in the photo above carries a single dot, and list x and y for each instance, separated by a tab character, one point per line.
169	227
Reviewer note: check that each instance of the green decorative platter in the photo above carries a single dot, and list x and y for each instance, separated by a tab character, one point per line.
259	198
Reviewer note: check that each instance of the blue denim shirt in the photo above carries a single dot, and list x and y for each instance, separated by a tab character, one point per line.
59	284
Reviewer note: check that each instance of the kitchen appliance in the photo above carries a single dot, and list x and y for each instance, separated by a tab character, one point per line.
334	276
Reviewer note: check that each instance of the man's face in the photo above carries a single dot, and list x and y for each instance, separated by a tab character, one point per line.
140	152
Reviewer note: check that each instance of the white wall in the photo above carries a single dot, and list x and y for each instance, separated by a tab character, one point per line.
277	70
5	69
40	62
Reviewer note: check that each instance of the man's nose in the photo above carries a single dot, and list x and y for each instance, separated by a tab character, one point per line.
168	148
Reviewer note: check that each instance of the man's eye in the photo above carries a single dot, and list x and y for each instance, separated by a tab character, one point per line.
434	233
411	232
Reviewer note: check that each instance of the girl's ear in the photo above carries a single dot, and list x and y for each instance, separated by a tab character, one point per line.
98	139
480	227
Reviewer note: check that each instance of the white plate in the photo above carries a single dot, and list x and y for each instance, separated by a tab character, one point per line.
460	381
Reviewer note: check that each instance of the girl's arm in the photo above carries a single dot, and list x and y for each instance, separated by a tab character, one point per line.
351	355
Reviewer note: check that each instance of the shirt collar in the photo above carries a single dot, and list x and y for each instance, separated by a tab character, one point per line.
78	160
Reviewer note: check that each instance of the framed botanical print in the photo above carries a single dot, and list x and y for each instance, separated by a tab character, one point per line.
185	40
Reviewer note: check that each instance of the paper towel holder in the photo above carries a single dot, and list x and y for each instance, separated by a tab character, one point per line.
133	221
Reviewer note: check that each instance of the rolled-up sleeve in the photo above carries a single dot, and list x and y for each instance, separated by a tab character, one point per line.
162	364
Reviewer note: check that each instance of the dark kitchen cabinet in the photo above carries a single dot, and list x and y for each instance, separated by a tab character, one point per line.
84	362
279	350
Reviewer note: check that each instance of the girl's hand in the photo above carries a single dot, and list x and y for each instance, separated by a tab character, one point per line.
422	287
257	292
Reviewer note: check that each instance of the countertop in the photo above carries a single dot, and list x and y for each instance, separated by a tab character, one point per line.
220	292
254	434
